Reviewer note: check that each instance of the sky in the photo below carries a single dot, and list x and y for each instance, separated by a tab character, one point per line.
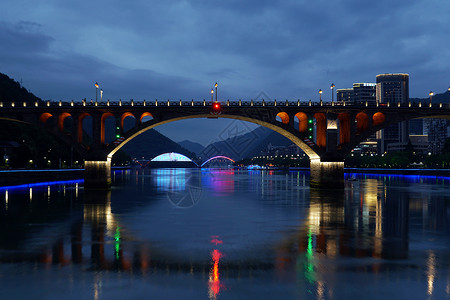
253	49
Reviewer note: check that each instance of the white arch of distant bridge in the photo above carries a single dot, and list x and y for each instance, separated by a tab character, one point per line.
174	157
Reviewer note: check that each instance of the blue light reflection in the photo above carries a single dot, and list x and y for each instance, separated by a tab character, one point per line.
40	184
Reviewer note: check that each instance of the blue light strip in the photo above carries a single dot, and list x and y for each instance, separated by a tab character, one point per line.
410	177
29	185
46	170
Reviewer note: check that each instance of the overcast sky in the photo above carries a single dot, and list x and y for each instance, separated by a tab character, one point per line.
179	49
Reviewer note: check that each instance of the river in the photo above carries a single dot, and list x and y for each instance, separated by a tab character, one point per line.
226	234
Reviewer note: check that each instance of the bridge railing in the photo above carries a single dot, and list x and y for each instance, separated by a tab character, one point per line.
227	103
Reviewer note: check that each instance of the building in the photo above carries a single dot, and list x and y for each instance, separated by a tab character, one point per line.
368	147
364	92
416	126
344	95
436	129
419	145
393	89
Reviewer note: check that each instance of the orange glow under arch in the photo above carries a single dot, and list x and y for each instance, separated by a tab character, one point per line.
344	128
284	117
44	117
378	118
362	122
321	129
102	129
61	119
146	114
302	121
124	116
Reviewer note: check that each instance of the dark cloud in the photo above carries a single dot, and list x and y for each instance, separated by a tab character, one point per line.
178	49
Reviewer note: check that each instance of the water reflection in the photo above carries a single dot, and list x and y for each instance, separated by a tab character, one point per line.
214	281
311	242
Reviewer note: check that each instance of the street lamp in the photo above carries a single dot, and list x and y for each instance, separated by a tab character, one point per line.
212	96
332	92
320	93
216	90
431	96
96	90
101	95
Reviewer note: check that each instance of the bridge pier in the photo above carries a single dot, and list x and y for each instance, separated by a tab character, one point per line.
326	175
97	174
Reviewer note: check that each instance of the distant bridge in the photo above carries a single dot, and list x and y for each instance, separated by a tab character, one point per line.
337	127
177	157
217	157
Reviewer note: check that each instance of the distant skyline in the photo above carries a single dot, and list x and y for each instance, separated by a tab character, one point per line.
179	49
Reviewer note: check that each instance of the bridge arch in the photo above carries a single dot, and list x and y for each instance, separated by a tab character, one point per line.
284	117
171	156
103	126
44	117
362	122
344	128
124	116
216	157
291	135
144	116
302	121
62	117
378	118
321	129
80	126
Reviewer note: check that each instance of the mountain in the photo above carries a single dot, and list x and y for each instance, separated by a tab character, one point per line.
152	143
274	138
11	90
237	147
191	146
246	145
437	98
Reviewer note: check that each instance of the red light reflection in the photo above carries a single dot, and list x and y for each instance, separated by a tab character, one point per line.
214	281
215	240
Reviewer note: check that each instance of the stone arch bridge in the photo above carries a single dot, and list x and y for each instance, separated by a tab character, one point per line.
326	132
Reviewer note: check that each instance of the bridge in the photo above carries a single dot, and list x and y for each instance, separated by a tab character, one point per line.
338	126
178	157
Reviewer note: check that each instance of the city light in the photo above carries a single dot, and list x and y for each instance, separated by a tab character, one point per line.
216	90
332	92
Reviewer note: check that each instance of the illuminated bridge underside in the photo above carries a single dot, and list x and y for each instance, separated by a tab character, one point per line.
172	156
326	132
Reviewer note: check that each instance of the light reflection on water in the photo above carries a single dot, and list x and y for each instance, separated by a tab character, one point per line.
211	233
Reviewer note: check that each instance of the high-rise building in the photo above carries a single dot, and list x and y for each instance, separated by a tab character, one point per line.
437	133
344	95
364	92
393	89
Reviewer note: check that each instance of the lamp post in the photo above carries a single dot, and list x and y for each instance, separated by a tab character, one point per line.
212	96
216	90
320	94
332	92
96	90
431	96
101	95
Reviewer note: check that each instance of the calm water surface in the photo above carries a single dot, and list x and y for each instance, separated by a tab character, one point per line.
227	234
